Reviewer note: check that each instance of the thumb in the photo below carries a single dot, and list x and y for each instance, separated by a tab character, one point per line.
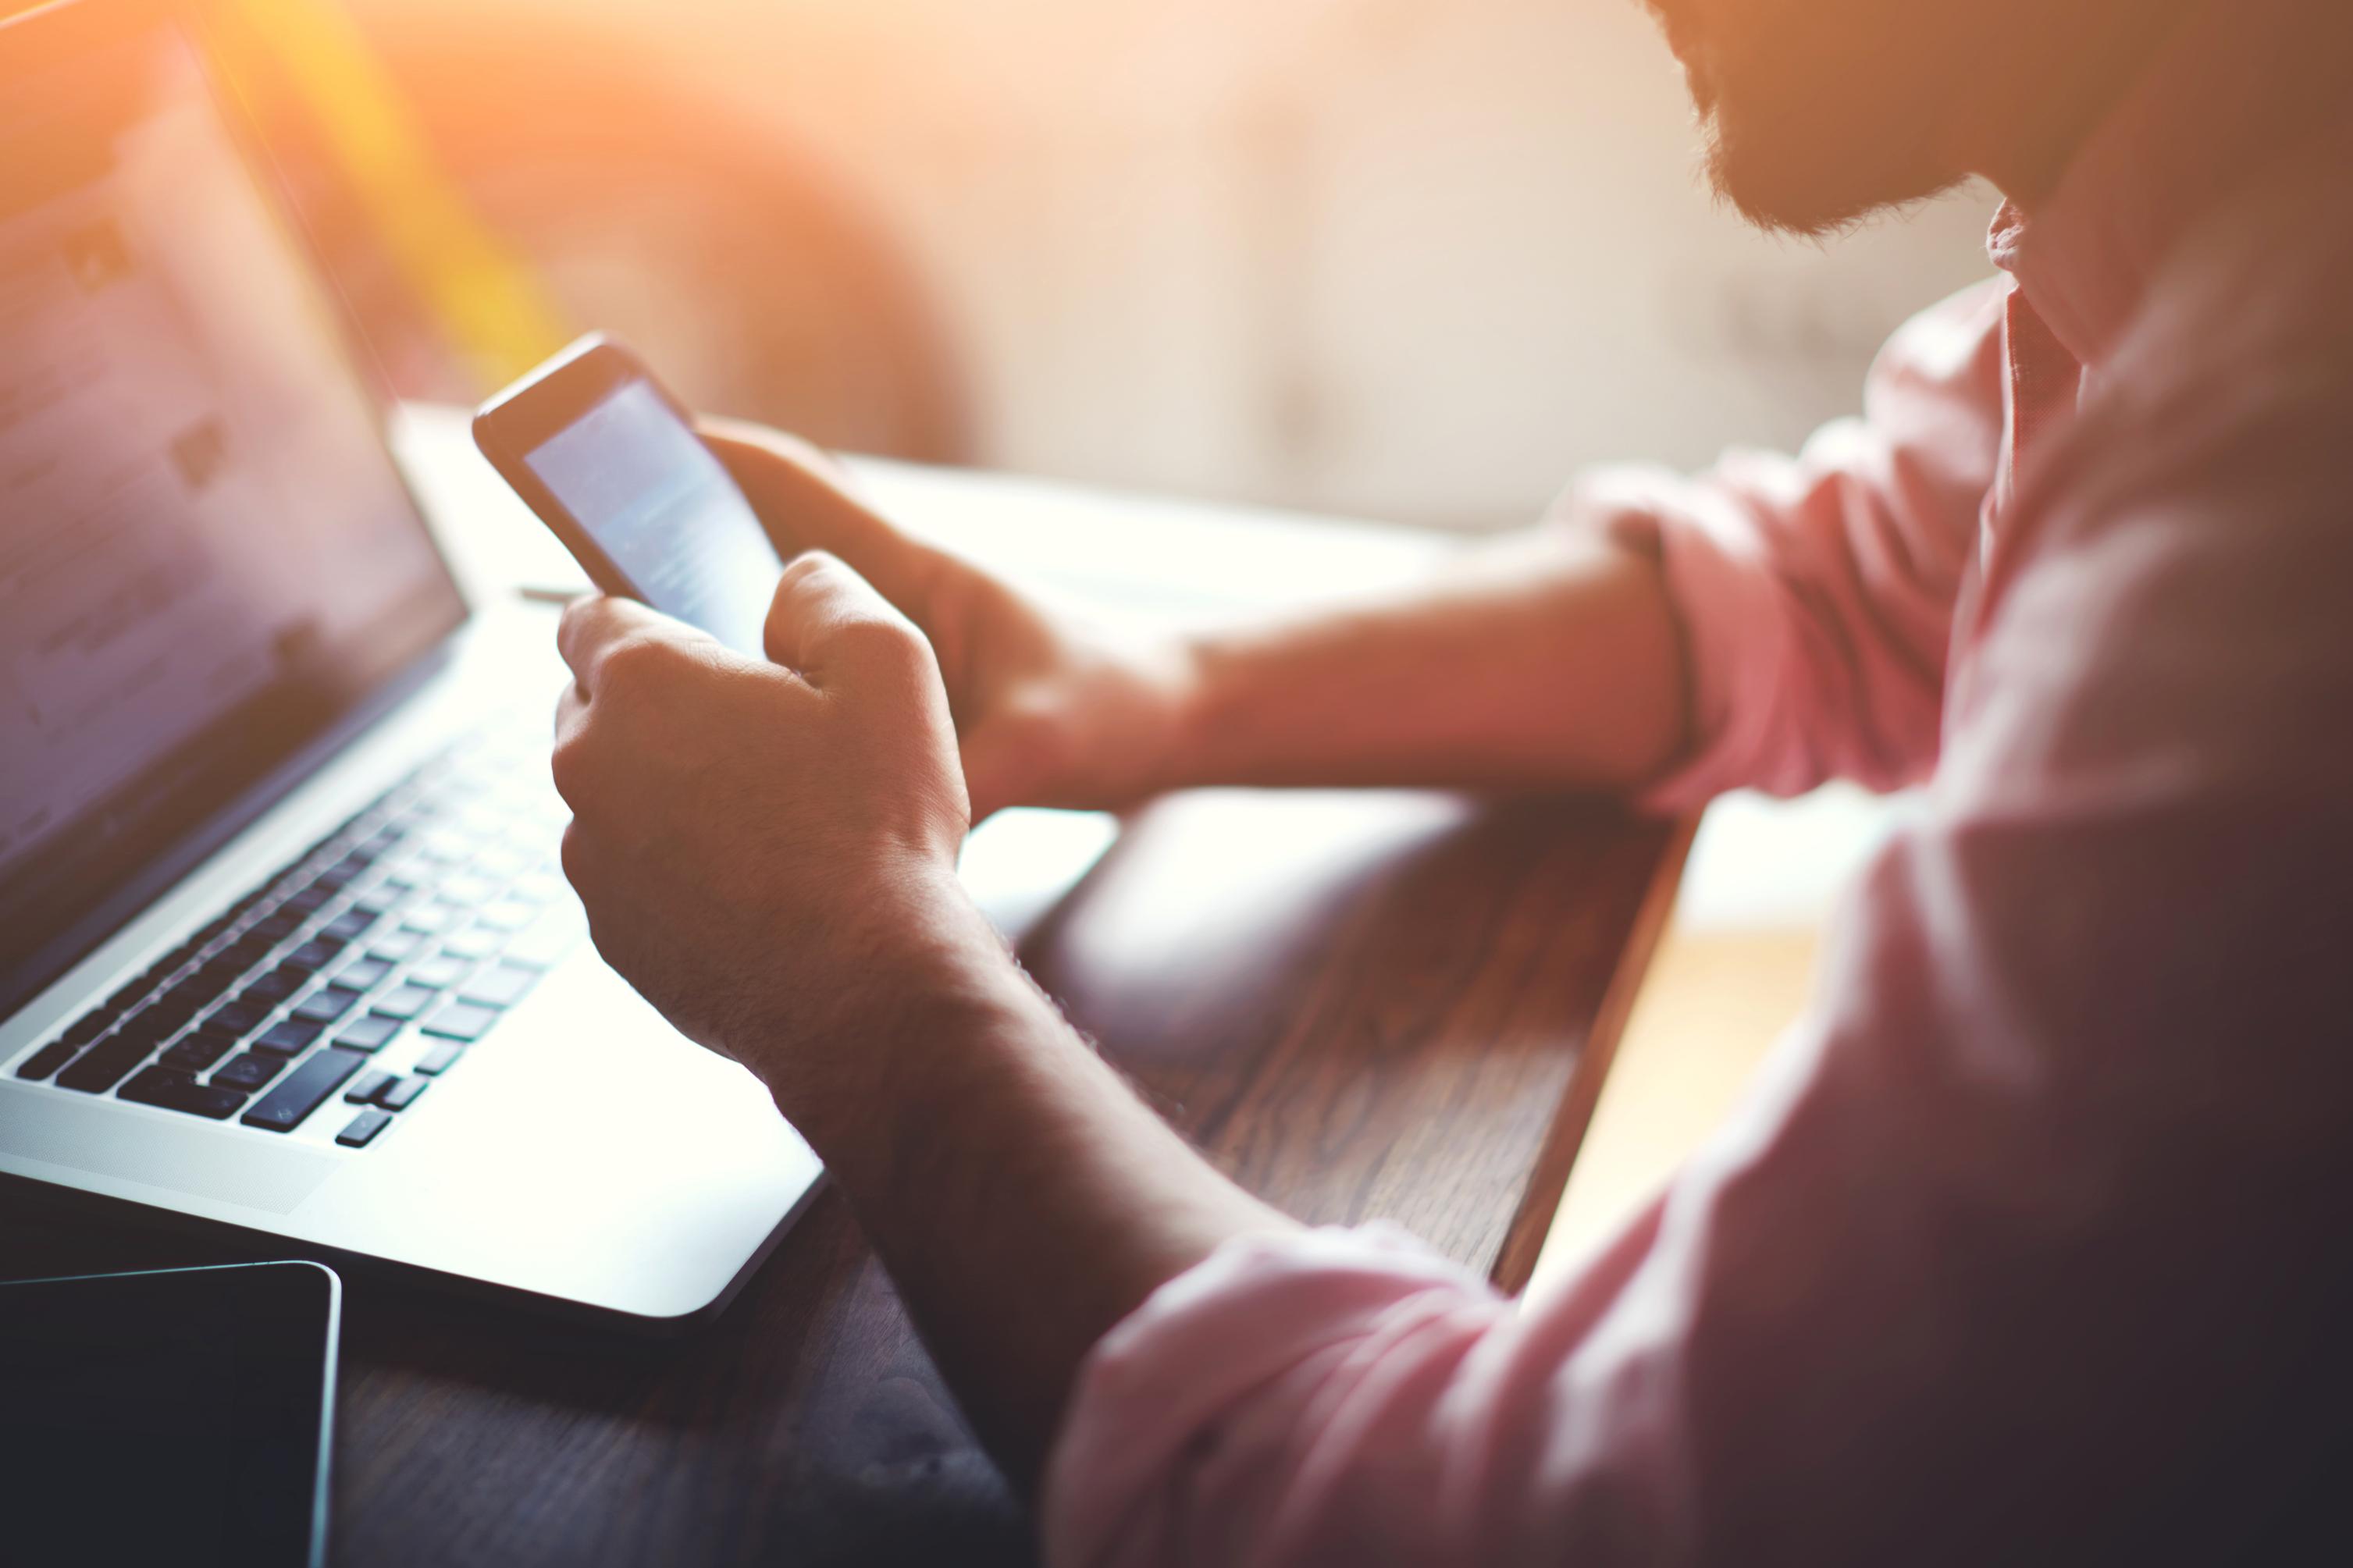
830	625
805	501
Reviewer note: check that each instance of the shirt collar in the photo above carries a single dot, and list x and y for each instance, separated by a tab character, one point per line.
2232	85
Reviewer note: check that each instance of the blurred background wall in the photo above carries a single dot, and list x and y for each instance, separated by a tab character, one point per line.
1417	260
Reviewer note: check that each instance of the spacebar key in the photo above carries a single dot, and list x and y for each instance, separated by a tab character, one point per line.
283	1110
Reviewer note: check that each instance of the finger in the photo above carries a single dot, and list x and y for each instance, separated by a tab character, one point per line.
571	712
567	759
587	867
593	629
806	503
832	626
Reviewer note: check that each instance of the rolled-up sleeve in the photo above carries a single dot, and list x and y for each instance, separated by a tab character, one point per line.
2029	1243
1816	593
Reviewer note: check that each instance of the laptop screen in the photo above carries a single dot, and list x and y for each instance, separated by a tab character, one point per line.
206	555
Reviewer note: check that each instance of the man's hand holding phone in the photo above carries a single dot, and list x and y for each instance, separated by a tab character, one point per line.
1049	710
766	848
768	794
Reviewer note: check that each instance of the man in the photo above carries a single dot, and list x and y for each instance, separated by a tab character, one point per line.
2029	1245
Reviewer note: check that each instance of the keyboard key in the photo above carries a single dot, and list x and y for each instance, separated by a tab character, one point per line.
350	926
195	1053
283	1108
543	887
379	903
86	1027
502	863
276	928
172	1014
236	1018
439	1059
178	1092
47	1060
368	1034
273	987
364	1129
400	1096
468	889
509	914
248	1072
500	986
395	945
446	847
189	991
327	1004
103	1066
369	1085
314	955
148	1026
249	949
441	972
405	1002
430	920
479	942
547	939
310	900
364	974
460	1021
290	1038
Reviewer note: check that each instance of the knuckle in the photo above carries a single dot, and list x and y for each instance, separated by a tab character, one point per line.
809	571
882	641
802	453
1039	731
576	618
573	854
634	665
567	763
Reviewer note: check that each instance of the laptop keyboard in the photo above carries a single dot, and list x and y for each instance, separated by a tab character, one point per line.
403	936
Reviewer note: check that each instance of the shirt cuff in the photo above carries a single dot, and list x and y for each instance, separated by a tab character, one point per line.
1199	1346
1728	611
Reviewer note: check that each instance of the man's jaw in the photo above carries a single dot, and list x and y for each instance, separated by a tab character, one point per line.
1814	113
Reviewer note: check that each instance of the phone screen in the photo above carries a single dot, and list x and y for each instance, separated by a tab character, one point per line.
176	1417
644	486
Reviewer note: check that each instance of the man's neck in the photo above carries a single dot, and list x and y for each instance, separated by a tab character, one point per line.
2052	75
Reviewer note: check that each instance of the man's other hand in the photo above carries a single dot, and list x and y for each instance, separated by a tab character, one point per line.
765	849
1048	710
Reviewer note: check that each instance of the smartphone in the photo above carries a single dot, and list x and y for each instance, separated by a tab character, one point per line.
610	461
178	1417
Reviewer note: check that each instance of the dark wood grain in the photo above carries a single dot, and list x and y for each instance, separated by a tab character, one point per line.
1370	1006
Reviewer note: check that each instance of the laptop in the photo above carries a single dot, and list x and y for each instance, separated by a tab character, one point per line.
284	941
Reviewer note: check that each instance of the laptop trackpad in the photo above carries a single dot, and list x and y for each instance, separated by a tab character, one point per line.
102	1139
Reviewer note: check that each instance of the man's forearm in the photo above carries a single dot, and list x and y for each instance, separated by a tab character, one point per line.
1022	1196
1546	660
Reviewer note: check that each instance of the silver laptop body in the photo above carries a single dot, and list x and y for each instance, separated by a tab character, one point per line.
269	794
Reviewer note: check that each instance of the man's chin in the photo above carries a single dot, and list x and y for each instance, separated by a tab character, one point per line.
1786	186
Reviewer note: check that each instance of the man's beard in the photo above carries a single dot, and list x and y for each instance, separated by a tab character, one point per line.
1820	112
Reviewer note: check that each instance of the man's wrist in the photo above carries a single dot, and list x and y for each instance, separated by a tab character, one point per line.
1188	669
933	973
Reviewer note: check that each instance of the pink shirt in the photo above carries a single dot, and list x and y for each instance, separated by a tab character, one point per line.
2033	1241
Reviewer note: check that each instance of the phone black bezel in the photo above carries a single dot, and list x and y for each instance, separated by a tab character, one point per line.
291	1273
550	400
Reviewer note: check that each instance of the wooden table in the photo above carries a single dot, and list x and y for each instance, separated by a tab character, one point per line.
1361	1005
